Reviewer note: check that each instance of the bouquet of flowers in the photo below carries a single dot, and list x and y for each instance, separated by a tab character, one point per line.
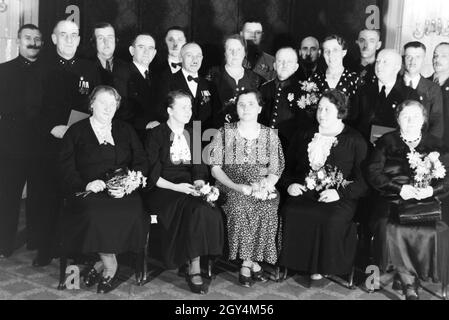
426	168
327	177
123	180
209	194
263	191
310	96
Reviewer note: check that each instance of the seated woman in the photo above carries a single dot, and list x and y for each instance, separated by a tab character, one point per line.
246	159
319	236
409	249
232	78
191	227
107	224
336	76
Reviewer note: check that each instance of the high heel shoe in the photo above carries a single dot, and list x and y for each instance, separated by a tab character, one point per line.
245	281
105	285
195	288
91	278
259	276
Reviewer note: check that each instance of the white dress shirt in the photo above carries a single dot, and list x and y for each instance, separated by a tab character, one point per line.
141	69
193	86
414	80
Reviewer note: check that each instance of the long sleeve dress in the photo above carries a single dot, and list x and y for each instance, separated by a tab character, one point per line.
191	226
252	224
99	223
410	247
320	237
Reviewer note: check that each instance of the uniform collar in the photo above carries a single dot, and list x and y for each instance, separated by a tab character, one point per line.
64	62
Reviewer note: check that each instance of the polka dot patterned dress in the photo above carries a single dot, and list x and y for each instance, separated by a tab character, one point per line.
348	84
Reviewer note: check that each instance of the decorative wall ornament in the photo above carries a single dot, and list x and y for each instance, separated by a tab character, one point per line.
431	27
3	6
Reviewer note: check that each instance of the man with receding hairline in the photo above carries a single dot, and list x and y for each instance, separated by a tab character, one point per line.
309	57
68	82
368	43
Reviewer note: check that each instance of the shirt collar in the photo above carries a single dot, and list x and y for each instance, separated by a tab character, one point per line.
64	62
415	80
186	74
141	68
25	61
103	61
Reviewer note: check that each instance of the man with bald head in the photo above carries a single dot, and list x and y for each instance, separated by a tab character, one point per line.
309	57
377	100
68	82
281	95
205	104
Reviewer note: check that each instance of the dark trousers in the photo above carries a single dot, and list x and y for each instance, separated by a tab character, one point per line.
42	203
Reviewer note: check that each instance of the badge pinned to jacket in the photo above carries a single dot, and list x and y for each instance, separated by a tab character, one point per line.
205	96
83	86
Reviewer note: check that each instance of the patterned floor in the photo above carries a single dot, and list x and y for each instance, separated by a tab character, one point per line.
20	281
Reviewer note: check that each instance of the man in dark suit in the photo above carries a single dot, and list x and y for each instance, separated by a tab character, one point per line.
281	95
441	78
109	67
68	82
175	39
21	96
141	105
376	102
429	93
309	58
206	105
369	43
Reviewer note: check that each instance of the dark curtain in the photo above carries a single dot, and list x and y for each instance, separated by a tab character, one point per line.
209	21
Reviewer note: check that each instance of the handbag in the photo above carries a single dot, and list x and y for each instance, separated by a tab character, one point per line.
419	212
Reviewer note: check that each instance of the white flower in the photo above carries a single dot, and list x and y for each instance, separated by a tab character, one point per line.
291	97
310	183
439	173
321	175
434	156
206	189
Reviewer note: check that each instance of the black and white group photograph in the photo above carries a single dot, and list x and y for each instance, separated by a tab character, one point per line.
234	153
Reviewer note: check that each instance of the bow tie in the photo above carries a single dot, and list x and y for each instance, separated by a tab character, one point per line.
190	78
176	65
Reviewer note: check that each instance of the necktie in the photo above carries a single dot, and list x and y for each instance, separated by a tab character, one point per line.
147	75
176	65
436	80
383	94
108	66
410	84
190	78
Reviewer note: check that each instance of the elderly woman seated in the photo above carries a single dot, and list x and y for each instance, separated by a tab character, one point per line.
99	218
401	181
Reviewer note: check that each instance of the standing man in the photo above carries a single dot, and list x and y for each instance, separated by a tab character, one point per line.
175	39
21	96
369	43
206	104
280	96
429	92
141	104
441	78
68	82
104	41
309	55
257	60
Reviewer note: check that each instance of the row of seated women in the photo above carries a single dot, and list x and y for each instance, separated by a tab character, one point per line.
304	229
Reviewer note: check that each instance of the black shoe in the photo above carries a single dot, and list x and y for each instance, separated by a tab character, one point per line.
195	288
106	285
397	284
41	261
244	280
411	292
91	278
259	276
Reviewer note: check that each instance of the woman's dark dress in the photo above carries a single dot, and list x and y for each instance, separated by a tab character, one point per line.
348	83
99	223
191	226
228	90
320	237
411	247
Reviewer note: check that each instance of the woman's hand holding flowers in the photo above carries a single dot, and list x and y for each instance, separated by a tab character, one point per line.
246	190
409	192
296	190
330	195
96	186
424	193
186	188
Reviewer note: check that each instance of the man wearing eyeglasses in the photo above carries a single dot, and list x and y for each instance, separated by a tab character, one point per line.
205	104
20	92
67	84
257	60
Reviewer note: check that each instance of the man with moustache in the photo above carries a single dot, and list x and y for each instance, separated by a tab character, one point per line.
205	104
141	104
441	77
369	43
20	92
309	57
280	96
256	60
175	38
68	82
104	41
429	93
375	103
